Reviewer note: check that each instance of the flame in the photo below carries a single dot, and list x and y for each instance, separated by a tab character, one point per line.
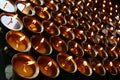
51	23
15	16
45	9
30	62
28	4
48	65
69	58
68	29
22	38
42	40
111	64
85	63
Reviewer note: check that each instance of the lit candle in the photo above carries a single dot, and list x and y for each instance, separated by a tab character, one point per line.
75	48
41	45
48	66
83	66
25	8
18	41
67	32
97	66
79	34
51	28
8	6
33	24
25	66
110	67
52	6
89	49
58	44
66	62
101	51
11	21
42	12
59	18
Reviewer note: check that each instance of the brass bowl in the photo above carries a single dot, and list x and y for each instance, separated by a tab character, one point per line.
83	66
48	66
25	66
66	62
41	45
18	41
33	24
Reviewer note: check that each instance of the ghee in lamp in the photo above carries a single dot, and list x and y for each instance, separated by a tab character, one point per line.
41	45
83	66
11	21
66	62
58	44
32	24
18	41
25	66
51	28
48	66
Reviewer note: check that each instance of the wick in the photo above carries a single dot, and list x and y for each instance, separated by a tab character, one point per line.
5	4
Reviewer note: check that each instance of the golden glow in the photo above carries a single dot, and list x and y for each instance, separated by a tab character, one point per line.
89	46
85	63
68	29
22	38
111	64
48	65
60	14
69	58
45	9
51	24
30	62
28	4
101	48
42	40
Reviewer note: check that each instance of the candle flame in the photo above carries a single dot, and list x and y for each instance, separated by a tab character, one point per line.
48	65
30	62
59	14
85	63
34	21
28	4
76	44
42	40
45	9
15	16
101	48
89	46
51	1
68	29
69	58
81	31
22	38
111	64
99	64
51	23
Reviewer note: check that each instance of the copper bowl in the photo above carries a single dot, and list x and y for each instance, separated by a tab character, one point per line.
18	41
25	66
48	66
